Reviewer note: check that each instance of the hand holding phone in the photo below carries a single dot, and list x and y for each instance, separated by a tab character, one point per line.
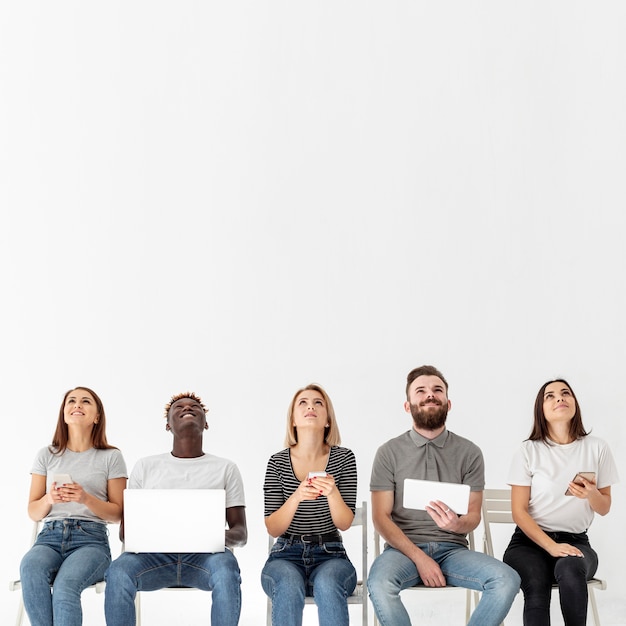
62	479
316	474
589	476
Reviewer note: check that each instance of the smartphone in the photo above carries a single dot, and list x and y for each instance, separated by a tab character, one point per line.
62	479
590	476
315	474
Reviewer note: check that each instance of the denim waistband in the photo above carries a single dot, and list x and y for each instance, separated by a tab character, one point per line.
71	522
323	538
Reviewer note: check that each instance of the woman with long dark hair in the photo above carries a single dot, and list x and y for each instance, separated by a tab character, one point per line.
77	486
560	477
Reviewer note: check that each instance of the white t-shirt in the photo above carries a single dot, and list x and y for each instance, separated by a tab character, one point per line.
548	470
165	471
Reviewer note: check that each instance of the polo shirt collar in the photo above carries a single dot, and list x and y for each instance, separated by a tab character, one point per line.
439	440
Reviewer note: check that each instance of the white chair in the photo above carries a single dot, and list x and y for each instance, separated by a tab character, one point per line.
497	510
360	593
138	599
138	596
468	592
16	585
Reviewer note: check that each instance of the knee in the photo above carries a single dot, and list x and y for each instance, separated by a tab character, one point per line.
509	577
504	580
268	584
34	571
380	584
26	569
279	582
510	581
570	570
327	584
226	573
30	562
117	577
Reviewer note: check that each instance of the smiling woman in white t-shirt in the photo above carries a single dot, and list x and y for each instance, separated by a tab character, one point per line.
560	477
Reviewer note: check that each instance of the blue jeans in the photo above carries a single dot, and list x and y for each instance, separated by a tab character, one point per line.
295	570
129	573
392	572
539	571
68	556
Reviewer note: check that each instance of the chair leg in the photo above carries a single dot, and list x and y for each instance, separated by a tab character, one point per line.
594	606
138	608
20	612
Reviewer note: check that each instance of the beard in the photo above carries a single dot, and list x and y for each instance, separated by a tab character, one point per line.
429	416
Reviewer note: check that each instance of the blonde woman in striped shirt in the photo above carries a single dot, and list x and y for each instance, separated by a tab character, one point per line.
310	496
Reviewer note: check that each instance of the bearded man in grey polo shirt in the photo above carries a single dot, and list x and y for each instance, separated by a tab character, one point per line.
430	547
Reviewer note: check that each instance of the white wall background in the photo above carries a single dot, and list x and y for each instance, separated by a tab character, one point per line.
239	198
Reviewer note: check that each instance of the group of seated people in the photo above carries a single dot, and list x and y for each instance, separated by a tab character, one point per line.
560	477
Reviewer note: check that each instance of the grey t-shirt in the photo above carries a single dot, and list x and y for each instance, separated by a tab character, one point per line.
447	458
91	469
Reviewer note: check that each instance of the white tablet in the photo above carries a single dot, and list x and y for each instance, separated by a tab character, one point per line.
418	493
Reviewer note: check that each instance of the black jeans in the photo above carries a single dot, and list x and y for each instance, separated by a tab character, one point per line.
539	571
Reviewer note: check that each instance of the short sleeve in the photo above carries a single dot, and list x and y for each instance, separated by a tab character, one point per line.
383	475
519	473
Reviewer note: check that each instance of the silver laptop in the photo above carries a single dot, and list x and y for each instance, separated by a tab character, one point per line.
174	520
418	493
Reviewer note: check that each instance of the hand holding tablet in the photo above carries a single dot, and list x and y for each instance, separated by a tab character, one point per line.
419	493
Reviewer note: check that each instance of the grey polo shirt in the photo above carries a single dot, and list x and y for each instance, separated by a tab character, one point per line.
447	458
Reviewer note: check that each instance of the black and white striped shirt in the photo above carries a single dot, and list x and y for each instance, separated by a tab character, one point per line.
312	517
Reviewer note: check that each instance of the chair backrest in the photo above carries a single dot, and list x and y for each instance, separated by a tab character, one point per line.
496	509
360	519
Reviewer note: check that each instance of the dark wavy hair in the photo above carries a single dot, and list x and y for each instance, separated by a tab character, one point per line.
540	425
98	434
424	370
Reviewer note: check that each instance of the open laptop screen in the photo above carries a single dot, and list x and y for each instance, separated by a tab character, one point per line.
174	520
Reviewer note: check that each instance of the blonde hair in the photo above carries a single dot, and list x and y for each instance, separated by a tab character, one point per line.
331	432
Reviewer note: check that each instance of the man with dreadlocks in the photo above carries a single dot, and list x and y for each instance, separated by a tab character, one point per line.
186	466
